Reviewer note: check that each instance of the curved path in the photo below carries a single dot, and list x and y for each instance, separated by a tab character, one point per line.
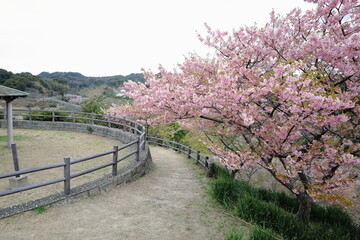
168	203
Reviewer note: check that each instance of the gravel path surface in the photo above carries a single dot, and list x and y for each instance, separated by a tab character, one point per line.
168	203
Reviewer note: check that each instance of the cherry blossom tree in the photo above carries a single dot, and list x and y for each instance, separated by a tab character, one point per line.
72	98
284	96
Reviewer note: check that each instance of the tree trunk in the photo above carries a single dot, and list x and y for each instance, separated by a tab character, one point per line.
304	209
233	173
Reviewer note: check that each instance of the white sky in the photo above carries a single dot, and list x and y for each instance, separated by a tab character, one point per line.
110	37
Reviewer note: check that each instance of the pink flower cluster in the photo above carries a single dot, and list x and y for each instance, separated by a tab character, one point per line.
289	91
72	98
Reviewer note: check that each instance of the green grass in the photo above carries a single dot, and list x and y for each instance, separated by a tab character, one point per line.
276	212
17	138
259	233
225	190
256	233
39	209
234	234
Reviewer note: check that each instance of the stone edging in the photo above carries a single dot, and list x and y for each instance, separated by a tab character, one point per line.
129	173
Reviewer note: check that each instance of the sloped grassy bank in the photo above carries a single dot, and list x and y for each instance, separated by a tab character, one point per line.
273	214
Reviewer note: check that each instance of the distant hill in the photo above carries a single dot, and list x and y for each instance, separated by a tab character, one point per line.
35	85
59	83
78	81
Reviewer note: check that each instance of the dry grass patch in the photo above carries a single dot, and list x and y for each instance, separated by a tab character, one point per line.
43	147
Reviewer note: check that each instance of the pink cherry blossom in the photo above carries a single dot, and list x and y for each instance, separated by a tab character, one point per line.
285	97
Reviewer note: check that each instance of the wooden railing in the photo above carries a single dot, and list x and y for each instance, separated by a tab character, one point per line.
191	153
78	117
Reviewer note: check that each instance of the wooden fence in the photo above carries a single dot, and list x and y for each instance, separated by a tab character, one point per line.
191	153
78	117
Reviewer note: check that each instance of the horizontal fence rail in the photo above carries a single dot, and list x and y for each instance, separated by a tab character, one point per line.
191	153
91	119
76	117
85	118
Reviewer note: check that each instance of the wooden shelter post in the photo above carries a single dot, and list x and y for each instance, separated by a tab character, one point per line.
9	95
9	115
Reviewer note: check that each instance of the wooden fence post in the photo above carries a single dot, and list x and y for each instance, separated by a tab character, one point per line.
53	116
144	140
109	123
189	152
67	175
138	149
92	118
210	168
123	123
115	160
15	158
198	157
73	117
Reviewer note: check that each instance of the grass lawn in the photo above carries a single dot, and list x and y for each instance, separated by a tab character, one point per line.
43	147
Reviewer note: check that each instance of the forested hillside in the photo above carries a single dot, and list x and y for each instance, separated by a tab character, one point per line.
78	81
33	84
59	83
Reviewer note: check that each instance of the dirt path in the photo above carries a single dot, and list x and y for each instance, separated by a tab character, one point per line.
168	203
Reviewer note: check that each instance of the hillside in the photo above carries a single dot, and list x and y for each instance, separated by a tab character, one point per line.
59	83
35	85
77	81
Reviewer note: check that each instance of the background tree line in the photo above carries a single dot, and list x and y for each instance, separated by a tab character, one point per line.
33	84
60	83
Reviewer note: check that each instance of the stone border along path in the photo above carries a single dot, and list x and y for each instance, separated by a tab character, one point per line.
130	172
169	202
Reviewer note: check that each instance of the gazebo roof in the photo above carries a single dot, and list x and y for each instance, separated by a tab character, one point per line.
11	93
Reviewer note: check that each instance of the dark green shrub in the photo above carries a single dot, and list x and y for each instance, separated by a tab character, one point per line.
90	129
95	104
286	202
63	117
336	219
1	114
47	116
178	133
336	215
80	120
318	213
324	231
266	195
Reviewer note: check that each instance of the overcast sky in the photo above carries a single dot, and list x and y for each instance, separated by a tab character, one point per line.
110	37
